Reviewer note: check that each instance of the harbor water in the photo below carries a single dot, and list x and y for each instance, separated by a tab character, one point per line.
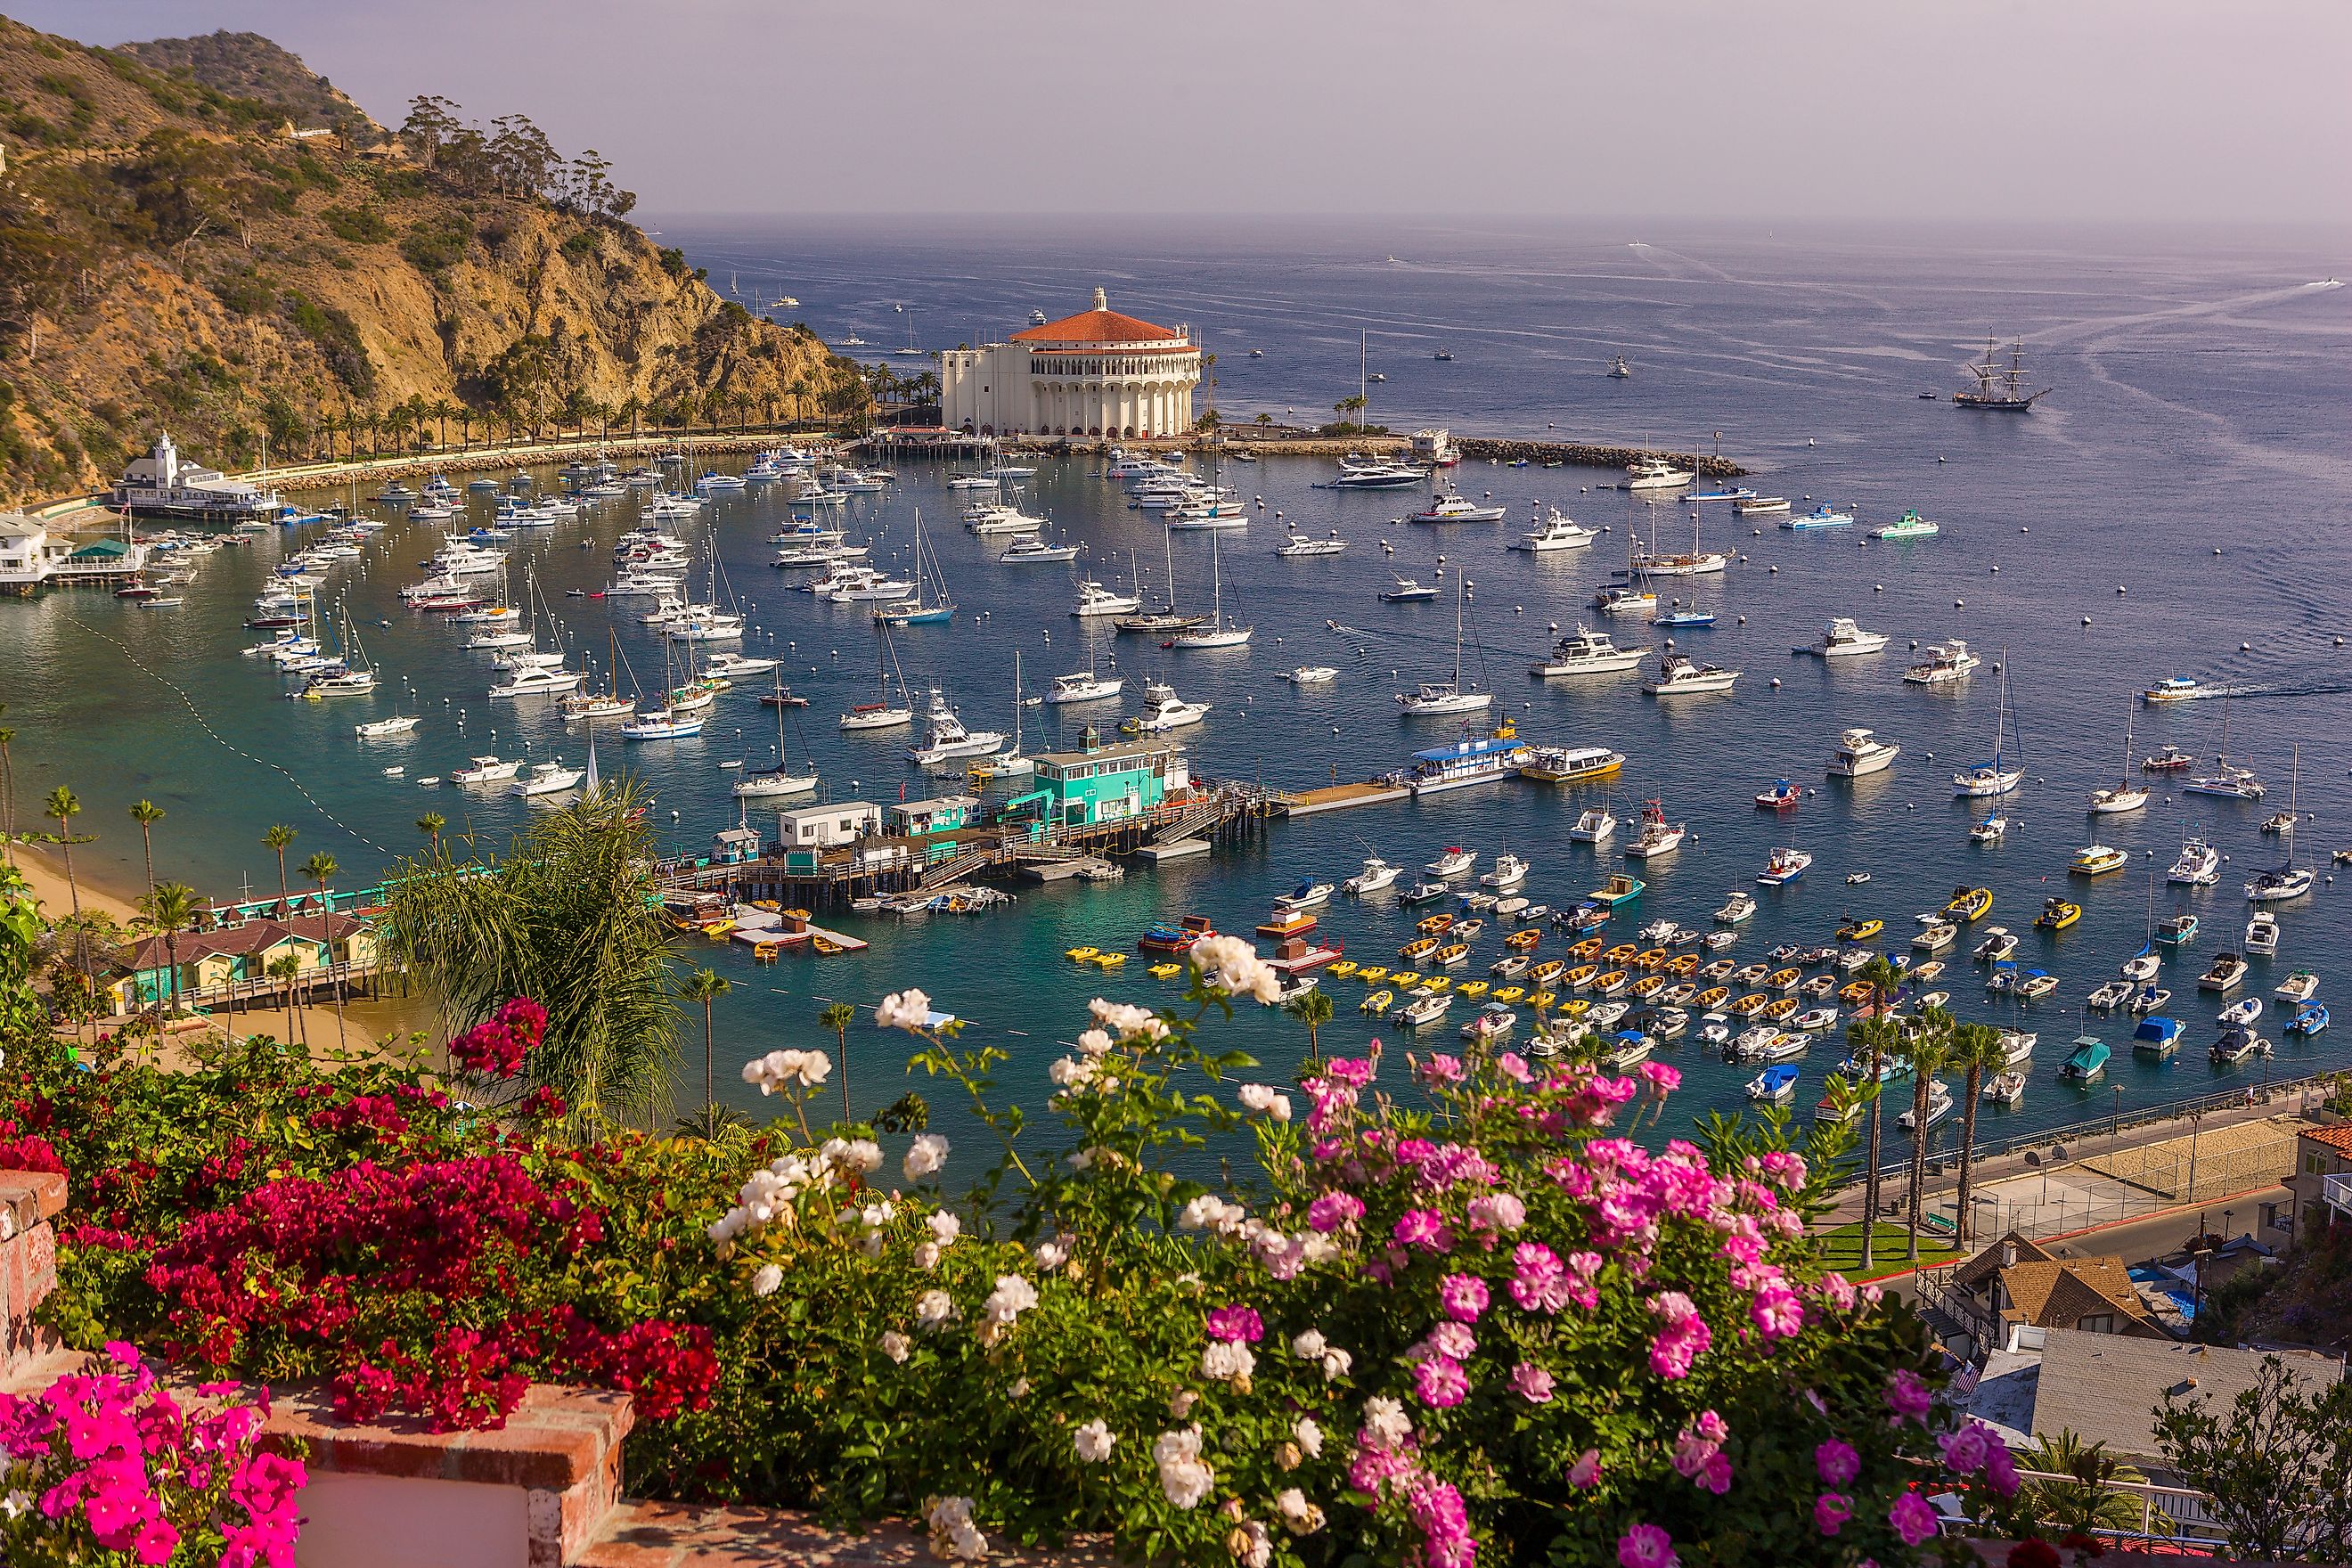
2176	506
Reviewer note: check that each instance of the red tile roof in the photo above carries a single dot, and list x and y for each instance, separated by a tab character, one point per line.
1097	327
2338	1137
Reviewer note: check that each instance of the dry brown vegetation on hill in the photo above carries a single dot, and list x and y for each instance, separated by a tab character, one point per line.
170	257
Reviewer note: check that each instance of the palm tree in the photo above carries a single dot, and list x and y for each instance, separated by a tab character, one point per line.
838	1017
320	868
8	795
278	836
63	807
701	988
430	825
2088	1501
170	907
1927	1047
1312	1008
147	813
1882	979
1977	1050
285	969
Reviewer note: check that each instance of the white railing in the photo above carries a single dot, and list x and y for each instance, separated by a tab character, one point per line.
2335	1192
2172	1515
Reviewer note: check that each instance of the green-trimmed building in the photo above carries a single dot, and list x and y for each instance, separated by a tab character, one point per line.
1101	784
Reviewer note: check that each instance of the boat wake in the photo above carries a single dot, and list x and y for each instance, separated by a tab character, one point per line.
2326	689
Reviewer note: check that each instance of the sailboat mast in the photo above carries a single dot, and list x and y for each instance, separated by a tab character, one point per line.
1457	633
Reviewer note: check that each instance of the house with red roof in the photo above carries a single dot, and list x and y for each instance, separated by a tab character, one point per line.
1098	373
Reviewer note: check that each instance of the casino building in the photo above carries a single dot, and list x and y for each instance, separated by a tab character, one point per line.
1098	373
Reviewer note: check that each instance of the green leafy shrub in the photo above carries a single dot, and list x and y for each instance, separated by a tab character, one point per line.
360	225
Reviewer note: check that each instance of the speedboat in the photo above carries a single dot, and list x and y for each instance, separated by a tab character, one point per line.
1737	909
1939	1106
2198	866
1295	544
1859	752
1376	875
2057	914
2225	973
1557	532
1455	861
1784	868
1946	663
2236	1045
2005	1087
2299	986
1407	592
1775	1085
1760	506
1454	507
1588	652
1843	639
1084	686
2098	860
1679	675
1596	824
1306	896
2263	933
1311	675
2170	760
1999	943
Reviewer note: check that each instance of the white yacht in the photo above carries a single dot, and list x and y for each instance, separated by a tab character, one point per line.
1455	862
1376	875
546	778
486	770
1094	599
703	624
1453	507
1679	676
1657	474
1559	532
1084	686
1509	872
883	715
1946	663
987	518
1859	752
1595	826
1589	652
1164	711
661	724
727	666
532	680
1656	837
1032	549
1311	675
1370	474
1998	776
2199	865
948	738
1843	639
773	783
1296	545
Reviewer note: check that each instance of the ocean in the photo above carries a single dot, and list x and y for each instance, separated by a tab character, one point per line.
2174	506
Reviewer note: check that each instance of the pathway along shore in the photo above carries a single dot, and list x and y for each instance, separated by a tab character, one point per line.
1276	443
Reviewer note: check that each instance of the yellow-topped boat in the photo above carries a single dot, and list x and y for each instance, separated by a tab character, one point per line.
1969	903
1523	941
1748	1006
1510	992
1378	1002
1784	978
1371	974
1454	955
1433	924
2057	914
1165	971
1080	954
1649	985
1418	948
1550	969
1437	982
1651	957
1471	988
1610	983
1861	931
1107	960
1541	1000
1618	956
1712	997
1582	976
1588	947
1344	968
1404	980
1684	964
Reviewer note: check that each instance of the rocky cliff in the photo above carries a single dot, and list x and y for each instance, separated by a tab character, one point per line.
172	255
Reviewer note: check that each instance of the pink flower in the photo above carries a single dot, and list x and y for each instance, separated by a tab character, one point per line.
1646	1546
2001	1470
1441	1069
153	1544
1425	1229
1444	1524
1236	1323
1463	1296
1453	1341
1777	1312
1831	1511
1913	1518
1585	1473
1838	1292
1532	1382
1440	1382
1662	1078
1335	1211
1539	1284
1836	1462
1498	1211
1715	1474
1512	1065
1907	1396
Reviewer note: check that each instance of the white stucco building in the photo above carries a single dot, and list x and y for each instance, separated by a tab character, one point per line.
1098	373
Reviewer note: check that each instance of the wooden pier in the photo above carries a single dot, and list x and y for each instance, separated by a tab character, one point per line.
1341	797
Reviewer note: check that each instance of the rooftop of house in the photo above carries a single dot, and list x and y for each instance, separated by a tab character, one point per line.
2106	1388
247	937
2059	1292
1978	1272
2338	1136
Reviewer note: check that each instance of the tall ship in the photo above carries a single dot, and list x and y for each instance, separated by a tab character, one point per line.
165	484
1999	387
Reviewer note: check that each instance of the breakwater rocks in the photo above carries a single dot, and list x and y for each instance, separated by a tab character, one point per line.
1584	456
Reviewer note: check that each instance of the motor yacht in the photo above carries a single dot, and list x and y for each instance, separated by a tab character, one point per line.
1094	599
398	725
664	723
1588	652
948	740
2263	934
1033	550
1657	474
1859	752
1407	592
1357	473
1821	515
1454	508
1843	639
1164	711
2199	865
535	680
986	519
1679	675
485	770
1376	876
729	664
1084	686
546	778
1295	544
1559	532
1595	826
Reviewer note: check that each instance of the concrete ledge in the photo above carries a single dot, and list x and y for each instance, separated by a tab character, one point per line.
669	1535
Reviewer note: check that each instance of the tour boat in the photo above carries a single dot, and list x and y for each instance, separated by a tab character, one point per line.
1910	525
1559	532
1947	663
1843	639
1588	652
2176	689
1784	868
1295	544
1860	753
1471	760
1454	508
1657	837
1570	765
1760	506
1821	515
1679	675
1083	686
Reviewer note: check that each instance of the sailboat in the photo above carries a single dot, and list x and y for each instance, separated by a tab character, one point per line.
769	784
1169	620
2289	880
883	713
2126	795
1008	763
2226	779
1996	777
1441	697
917	610
1220	630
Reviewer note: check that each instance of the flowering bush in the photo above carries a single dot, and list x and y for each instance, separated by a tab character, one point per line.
1469	1305
105	1467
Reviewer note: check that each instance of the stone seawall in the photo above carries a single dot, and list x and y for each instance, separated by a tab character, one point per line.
1505	450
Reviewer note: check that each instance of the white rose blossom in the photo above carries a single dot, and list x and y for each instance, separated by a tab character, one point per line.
1128	1020
927	1255
1385	1422
1233	965
1051	1253
1225	1359
1012	1296
1310	1435
1336	1363
1094	1441
1299	1516
925	1157
1183	1477
1265	1101
1256	1547
954	1534
766	1279
933	1308
1308	1346
1210	1212
787	1070
894	1344
907	1009
1094	1042
945	1227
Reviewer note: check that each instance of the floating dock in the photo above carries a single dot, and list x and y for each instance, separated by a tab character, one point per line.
1341	797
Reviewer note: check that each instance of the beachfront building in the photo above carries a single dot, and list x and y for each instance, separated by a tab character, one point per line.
1105	784
1098	373
29	553
165	484
214	962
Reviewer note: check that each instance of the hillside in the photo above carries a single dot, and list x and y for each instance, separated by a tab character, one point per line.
169	257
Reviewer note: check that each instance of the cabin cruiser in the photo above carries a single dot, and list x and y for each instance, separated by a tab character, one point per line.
987	518
1094	599
1376	875
664	723
1657	474
1359	473
485	770
1295	543
2174	689
1679	675
1588	652
1084	686
1509	872
1737	909
546	778
2198	866
1407	592
1559	532
2263	934
1945	664
1860	753
1454	508
2098	860
1624	598
1939	1106
1455	861
1595	824
1843	639
1164	711
948	738
1656	837
1785	867
530	680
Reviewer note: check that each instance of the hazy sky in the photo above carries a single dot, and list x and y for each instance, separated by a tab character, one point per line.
2199	110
